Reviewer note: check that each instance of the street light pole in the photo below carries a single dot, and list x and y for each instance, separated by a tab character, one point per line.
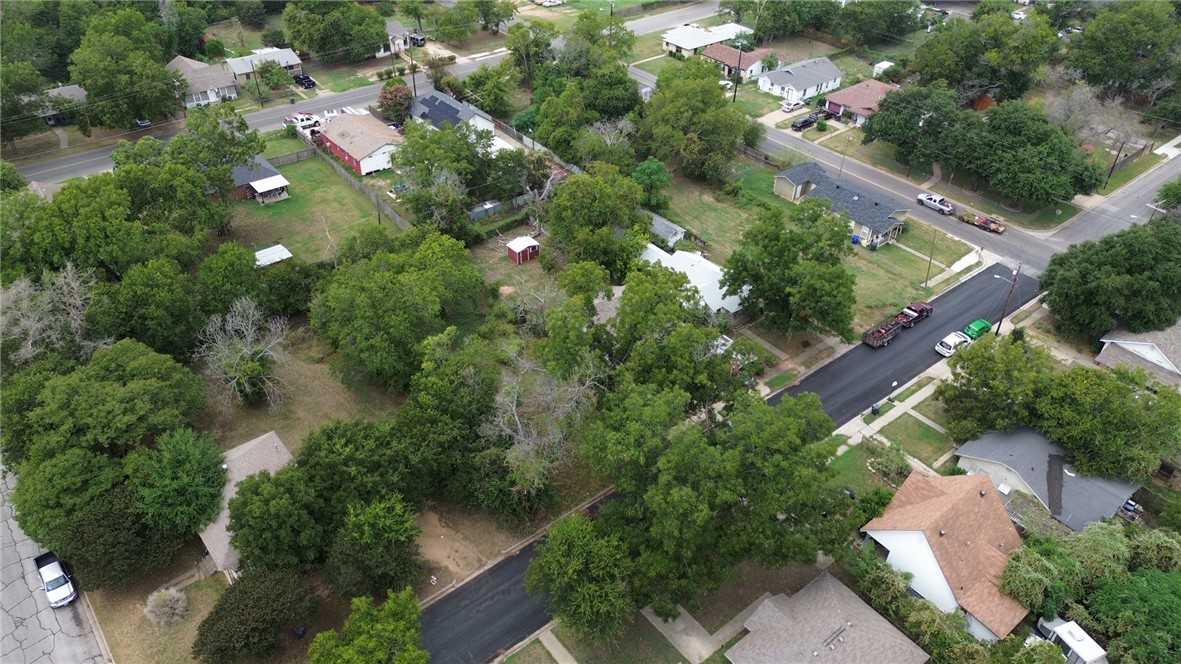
1005	310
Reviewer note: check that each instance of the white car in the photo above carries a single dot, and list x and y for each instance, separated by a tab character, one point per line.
551	3
1019	16
726	84
951	343
302	120
789	106
936	203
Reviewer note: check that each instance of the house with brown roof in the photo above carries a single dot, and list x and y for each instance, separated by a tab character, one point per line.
860	101
954	537
826	623
363	142
267	452
733	60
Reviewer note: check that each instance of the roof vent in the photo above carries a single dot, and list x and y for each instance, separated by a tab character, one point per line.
983	493
942	533
856	197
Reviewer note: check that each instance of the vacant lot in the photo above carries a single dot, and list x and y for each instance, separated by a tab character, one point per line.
918	438
887	279
337	78
319	215
315	396
796	48
718	219
534	653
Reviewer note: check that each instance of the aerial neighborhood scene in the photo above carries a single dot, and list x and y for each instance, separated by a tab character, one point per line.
590	331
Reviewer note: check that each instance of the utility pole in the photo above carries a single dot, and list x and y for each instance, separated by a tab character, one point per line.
848	142
931	256
257	89
738	74
1005	310
413	70
1115	162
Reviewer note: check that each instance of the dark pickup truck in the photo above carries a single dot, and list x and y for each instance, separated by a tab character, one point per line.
881	334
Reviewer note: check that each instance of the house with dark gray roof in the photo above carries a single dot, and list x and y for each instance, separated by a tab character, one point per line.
826	623
1157	352
208	84
439	108
668	232
261	181
1024	460
800	81
874	222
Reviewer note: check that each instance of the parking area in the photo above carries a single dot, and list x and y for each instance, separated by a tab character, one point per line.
30	631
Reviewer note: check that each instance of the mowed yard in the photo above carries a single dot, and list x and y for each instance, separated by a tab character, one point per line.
322	211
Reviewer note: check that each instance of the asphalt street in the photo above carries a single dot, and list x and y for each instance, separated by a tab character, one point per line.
485	616
30	631
848	385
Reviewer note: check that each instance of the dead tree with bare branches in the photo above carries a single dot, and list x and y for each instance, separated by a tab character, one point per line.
50	316
240	350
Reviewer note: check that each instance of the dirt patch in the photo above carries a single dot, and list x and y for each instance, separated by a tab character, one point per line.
315	396
446	550
716	607
506	291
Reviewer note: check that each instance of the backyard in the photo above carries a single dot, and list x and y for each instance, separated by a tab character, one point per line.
319	215
279	144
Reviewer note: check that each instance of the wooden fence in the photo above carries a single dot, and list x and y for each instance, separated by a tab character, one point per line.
292	157
373	196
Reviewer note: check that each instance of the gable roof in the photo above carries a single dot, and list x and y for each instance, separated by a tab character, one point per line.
248	63
665	229
728	55
825	622
970	535
1073	499
439	108
394	28
1158	352
360	135
267	452
862	208
201	76
863	98
693	38
258	169
805	73
703	274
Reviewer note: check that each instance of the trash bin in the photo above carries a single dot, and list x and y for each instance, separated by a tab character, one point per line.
292	99
875	409
856	239
300	631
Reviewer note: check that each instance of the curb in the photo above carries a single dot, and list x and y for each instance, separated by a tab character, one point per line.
524	642
99	637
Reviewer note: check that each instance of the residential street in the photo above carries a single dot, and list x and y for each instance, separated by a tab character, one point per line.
851	383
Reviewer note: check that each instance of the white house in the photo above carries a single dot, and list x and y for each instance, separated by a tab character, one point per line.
208	84
800	81
439	108
361	141
691	38
953	535
246	66
703	275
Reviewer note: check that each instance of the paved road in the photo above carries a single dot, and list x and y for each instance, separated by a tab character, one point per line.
848	385
485	616
30	631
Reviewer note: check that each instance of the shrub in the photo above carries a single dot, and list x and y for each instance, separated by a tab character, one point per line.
821	124
401	69
166	607
214	48
889	461
249	616
290	131
731	189
381	75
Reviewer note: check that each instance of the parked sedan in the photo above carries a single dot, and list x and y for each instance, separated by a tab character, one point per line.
951	343
978	328
936	203
803	123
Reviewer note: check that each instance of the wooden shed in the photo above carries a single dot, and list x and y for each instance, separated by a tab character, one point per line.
523	249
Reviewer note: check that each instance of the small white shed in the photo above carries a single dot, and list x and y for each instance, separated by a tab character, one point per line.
881	67
271	255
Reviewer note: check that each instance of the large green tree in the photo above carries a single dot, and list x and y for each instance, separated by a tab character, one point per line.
1140	615
915	120
154	304
335	30
1128	45
873	22
179	483
1036	161
20	99
377	311
110	542
250	616
583	576
1132	278
389	633
217	139
793	274
596	202
531	44
376	550
225	276
273	521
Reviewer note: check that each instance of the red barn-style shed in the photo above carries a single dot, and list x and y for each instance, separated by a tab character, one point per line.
523	249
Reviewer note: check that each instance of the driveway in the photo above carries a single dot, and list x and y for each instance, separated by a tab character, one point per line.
30	631
851	383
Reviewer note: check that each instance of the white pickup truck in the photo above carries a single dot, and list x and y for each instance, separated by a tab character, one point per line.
54	579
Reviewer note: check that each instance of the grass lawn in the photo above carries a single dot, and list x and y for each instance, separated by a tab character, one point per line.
853	66
491	257
887	280
534	653
719	657
884	408
948	249
717	607
1129	173
647	46
850	470
797	47
135	640
918	385
241	38
277	145
711	216
641	642
654	67
782	380
932	409
337	78
796	345
918	438
1033	216
321	205
754	102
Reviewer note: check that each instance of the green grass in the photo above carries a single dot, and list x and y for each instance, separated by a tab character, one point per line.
918	438
277	144
640	642
654	67
1129	173
647	46
1041	217
718	219
879	154
913	389
850	470
887	280
337	78
932	409
782	380
853	66
534	653
798	47
320	204
750	580
719	657
885	407
754	102
948	249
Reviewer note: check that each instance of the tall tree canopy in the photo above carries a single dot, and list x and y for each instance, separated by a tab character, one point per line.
793	270
335	30
1128	45
389	633
1132	278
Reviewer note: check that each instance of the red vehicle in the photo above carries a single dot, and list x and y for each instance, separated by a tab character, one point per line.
913	313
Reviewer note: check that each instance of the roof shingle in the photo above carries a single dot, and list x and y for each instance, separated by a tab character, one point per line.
863	98
360	135
729	56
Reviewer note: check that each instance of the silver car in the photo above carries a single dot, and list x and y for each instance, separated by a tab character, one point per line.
936	203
